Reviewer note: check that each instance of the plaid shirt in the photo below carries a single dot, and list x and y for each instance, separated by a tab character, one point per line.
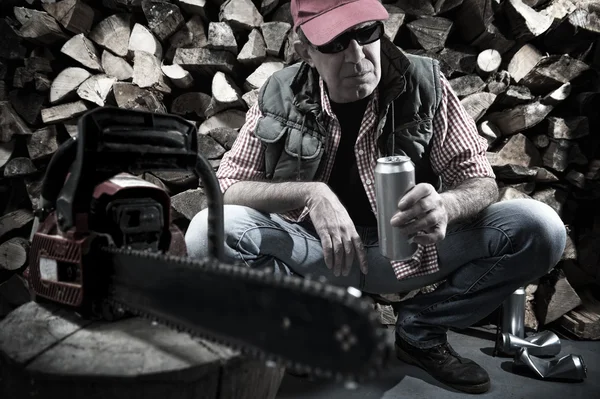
457	153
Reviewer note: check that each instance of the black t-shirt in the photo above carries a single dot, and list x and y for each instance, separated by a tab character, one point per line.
344	180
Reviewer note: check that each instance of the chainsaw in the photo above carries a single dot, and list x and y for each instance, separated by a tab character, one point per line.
104	245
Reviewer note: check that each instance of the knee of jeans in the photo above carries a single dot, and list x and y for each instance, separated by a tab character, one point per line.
196	236
542	229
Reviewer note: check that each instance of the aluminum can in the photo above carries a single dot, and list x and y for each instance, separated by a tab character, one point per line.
513	314
394	176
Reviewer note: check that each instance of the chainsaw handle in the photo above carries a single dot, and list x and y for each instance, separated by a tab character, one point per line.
132	141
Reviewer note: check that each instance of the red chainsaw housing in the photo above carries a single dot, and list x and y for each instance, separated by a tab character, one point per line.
125	211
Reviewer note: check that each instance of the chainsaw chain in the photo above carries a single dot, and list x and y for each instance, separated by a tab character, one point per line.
374	364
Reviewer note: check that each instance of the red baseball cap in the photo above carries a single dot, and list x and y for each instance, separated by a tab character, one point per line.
324	20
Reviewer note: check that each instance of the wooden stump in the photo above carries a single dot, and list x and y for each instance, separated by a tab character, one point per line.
48	352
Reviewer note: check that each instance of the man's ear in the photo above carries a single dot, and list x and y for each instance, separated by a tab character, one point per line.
302	50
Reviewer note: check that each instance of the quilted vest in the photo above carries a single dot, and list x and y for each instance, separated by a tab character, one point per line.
293	131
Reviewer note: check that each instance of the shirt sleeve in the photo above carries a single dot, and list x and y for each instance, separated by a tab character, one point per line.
245	160
458	152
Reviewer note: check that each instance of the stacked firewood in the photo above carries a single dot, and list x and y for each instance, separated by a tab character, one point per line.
526	71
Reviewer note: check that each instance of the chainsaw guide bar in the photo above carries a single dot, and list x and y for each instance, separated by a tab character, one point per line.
307	326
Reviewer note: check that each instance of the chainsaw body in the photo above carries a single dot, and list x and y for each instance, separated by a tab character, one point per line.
92	201
125	211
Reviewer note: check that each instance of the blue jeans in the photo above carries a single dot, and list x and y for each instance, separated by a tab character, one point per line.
482	261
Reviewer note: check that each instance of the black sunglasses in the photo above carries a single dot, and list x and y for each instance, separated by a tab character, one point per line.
364	35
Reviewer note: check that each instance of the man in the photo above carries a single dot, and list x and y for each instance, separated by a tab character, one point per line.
299	195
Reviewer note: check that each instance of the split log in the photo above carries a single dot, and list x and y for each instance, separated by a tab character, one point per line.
71	127
11	123
458	60
116	66
130	96
576	178
190	35
232	118
178	76
11	47
23	77
568	128
554	297
520	151
477	104
489	131
540	140
254	51
392	25
224	136
556	156
473	17
74	15
582	322
221	37
510	172
488	62
82	50
513	96
210	148
147	72
430	33
520	118
240	14
42	83
42	143
27	104
42	29
66	83
177	181
551	72
188	203
6	152
63	112
510	193
3	91
498	83
163	18
250	98
96	88
257	78
525	22
523	61
575	34
205	61
274	34
226	95
142	39
266	6
194	7
14	222
553	197
14	253
19	167
38	64
113	33
191	103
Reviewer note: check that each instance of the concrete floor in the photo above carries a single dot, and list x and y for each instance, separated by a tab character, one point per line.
403	381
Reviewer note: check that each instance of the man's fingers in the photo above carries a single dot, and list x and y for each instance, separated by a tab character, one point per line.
359	249
327	250
349	253
425	223
338	256
414	195
433	237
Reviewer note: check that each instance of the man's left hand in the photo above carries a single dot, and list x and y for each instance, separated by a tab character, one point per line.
421	215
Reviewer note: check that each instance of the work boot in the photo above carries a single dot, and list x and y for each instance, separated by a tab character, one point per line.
445	365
